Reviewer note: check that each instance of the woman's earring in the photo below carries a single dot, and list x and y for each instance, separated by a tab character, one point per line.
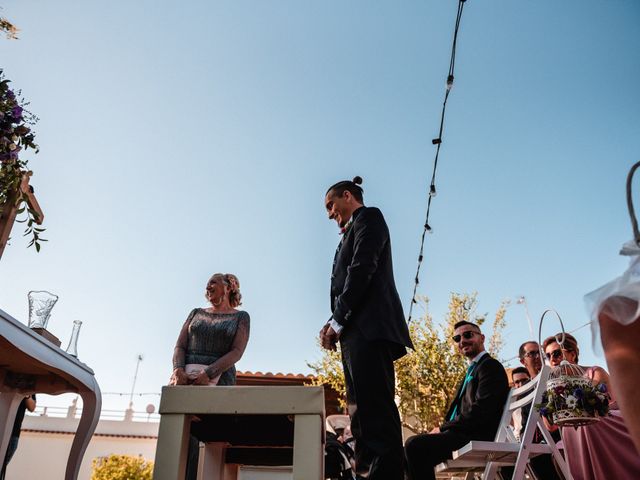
217	304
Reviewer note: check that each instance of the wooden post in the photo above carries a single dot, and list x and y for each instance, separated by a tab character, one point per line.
10	210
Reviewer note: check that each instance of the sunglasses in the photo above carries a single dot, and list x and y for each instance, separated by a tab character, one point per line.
466	335
555	354
522	381
532	354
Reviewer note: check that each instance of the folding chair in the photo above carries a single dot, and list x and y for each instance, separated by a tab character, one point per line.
487	457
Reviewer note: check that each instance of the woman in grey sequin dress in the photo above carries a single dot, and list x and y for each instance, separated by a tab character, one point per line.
210	343
212	339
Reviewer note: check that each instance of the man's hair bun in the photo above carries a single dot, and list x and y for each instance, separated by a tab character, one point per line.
357	180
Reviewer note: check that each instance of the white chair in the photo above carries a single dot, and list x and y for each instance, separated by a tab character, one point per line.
487	457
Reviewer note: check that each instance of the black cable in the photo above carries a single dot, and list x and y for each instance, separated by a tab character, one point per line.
437	142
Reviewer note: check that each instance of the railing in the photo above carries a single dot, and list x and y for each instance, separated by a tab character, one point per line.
114	415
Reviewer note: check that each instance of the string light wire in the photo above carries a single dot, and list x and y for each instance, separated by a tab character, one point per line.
438	143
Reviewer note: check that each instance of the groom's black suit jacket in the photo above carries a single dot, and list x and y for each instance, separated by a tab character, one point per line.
480	407
363	291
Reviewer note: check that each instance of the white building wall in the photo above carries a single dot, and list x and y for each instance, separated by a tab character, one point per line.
44	455
45	443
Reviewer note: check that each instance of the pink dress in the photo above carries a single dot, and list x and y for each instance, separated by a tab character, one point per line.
603	450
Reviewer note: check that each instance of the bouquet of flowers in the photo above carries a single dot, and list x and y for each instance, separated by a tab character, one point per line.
16	136
574	401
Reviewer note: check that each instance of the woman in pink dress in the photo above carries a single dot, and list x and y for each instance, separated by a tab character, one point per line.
602	450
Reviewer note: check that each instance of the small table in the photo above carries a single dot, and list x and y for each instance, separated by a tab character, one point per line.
31	364
248	424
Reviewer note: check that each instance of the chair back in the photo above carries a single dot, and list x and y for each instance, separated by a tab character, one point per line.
529	394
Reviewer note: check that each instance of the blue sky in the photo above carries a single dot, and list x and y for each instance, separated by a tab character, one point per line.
179	139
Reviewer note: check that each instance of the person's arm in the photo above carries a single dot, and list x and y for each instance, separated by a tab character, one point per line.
230	358
493	386
370	236
180	350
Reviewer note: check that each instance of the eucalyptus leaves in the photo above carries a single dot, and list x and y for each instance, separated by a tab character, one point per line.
16	137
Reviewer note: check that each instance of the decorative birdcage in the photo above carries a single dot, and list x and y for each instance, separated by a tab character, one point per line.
571	399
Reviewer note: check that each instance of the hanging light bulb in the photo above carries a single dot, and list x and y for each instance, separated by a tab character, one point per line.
432	190
449	82
428	228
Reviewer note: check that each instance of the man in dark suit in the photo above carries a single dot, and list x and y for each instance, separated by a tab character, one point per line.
473	415
369	323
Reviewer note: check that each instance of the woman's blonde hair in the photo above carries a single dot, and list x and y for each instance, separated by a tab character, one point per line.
231	281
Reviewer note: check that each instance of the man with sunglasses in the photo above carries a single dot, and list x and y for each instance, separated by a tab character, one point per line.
542	465
529	354
474	413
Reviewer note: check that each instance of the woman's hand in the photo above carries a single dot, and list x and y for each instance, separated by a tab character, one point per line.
200	378
179	377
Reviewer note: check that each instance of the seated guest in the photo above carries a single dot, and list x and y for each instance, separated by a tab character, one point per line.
474	414
529	354
602	450
620	340
542	465
520	377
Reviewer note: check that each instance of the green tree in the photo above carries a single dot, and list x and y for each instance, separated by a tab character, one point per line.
328	371
121	467
426	378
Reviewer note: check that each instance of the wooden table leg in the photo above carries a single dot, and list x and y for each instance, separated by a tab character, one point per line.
91	406
213	462
172	446
308	453
9	403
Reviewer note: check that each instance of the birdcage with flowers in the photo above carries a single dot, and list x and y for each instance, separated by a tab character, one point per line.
571	399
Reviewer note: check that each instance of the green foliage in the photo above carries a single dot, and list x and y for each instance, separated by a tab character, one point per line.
328	371
121	467
427	377
16	137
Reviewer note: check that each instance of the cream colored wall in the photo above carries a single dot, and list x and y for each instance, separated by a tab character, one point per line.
44	447
44	455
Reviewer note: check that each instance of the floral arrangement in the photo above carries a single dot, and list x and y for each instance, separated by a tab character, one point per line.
16	136
575	401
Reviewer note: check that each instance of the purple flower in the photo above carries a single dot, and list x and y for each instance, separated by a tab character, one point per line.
578	393
16	112
543	411
602	388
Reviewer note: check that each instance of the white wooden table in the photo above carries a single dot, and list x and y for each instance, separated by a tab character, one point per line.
303	405
31	364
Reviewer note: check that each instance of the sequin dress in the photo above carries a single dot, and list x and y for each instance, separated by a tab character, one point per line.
214	339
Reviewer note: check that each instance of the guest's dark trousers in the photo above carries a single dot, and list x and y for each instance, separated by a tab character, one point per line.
427	450
375	422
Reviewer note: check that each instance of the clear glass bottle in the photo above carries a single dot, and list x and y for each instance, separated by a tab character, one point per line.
72	349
